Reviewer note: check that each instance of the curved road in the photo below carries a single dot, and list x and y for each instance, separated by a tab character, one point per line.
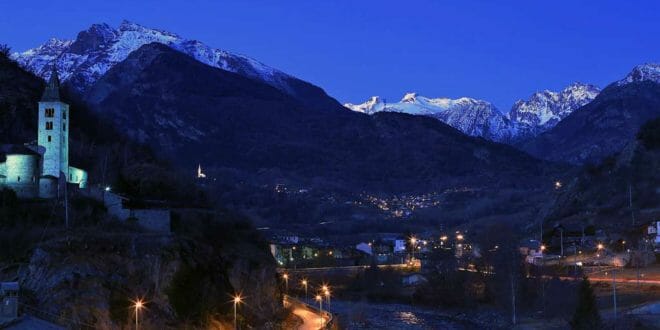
311	318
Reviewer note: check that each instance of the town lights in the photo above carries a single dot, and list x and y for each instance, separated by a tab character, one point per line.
107	188
443	238
285	276
459	237
543	248
558	184
600	246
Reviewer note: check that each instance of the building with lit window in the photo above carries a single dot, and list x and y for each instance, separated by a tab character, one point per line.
39	170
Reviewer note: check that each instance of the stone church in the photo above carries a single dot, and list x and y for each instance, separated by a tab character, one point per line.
40	170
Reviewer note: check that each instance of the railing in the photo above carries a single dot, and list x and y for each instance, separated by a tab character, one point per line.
55	319
325	314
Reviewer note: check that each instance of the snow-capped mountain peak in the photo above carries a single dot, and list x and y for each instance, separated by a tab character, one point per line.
97	49
545	109
409	98
540	112
471	116
643	72
374	104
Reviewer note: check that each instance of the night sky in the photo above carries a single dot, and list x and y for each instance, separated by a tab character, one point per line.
494	50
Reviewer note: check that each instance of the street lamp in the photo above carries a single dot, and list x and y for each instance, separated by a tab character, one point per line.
413	240
286	282
138	305
320	300
304	283
237	300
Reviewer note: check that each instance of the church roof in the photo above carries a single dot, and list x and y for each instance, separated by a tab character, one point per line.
52	92
16	149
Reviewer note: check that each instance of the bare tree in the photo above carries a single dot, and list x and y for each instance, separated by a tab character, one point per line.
5	50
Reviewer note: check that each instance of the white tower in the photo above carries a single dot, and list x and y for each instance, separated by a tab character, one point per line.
54	130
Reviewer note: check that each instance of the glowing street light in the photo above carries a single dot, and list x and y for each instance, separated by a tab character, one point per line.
543	248
600	246
413	241
107	188
320	300
237	300
459	237
304	283
286	282
138	305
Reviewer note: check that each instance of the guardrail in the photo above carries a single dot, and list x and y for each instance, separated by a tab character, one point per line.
327	315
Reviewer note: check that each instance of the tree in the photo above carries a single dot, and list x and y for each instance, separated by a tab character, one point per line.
5	50
586	314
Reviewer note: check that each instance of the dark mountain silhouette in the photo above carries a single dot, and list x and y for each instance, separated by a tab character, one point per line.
192	113
600	128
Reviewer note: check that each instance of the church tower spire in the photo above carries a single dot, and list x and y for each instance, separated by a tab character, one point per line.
52	92
54	129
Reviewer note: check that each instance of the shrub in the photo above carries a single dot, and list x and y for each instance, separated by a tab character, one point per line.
649	134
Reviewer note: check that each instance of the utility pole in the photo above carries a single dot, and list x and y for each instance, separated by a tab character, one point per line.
614	293
66	204
632	213
561	240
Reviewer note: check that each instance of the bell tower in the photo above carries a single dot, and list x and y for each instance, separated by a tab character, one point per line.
54	130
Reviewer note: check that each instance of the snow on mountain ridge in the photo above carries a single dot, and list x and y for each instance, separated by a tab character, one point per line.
471	116
481	118
97	49
642	72
543	110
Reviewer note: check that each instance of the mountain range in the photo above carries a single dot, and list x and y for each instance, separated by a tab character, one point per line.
532	125
84	60
527	118
606	125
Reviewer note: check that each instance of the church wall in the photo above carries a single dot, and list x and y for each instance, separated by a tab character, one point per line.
78	177
22	175
48	187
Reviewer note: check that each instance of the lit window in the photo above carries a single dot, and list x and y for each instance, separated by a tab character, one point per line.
49	125
50	112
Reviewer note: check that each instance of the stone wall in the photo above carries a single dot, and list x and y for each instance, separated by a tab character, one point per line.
153	220
78	177
22	175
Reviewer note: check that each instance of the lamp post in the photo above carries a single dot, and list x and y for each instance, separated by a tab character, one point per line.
286	282
138	305
413	240
320	300
326	293
237	300
304	283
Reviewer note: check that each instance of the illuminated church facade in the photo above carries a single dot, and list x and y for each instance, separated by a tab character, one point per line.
39	171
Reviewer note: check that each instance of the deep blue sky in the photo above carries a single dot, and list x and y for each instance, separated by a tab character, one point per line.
494	50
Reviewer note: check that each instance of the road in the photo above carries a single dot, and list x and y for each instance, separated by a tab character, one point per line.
311	317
